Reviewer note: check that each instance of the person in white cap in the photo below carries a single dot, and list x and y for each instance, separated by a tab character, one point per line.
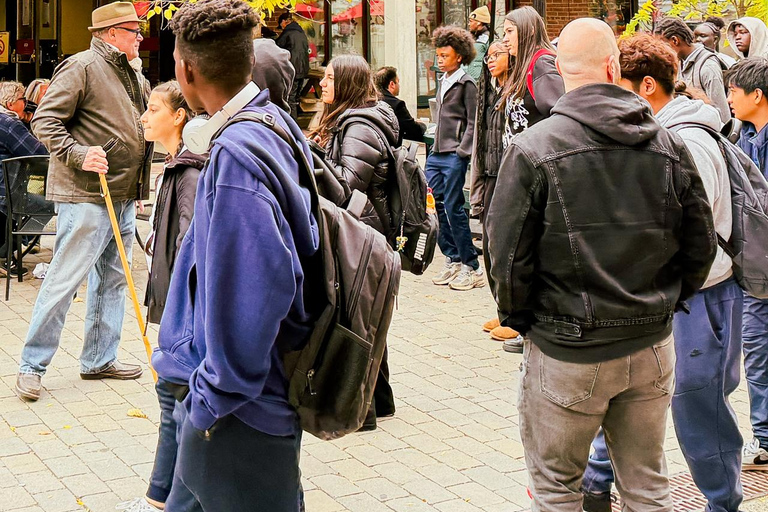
480	27
89	120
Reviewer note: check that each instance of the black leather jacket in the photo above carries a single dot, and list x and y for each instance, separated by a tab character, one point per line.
598	229
359	153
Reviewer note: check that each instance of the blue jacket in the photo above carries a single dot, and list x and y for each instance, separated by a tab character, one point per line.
755	145
236	292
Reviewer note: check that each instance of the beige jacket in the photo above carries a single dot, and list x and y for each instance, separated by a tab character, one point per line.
95	98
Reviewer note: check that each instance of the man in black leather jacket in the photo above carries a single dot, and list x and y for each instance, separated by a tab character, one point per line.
598	230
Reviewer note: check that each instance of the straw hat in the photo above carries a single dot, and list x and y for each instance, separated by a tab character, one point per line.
113	14
481	14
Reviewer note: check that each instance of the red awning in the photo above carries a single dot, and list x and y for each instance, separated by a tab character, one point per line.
308	11
142	8
377	9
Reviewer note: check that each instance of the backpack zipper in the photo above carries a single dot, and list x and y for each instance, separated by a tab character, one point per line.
359	277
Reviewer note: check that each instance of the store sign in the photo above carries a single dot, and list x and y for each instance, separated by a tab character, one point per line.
5	43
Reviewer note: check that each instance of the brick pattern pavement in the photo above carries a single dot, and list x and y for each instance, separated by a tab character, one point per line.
453	445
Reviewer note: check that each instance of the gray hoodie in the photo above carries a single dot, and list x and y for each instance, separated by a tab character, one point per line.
758	47
711	166
702	70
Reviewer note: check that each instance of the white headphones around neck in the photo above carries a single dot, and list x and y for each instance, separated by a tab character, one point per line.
199	131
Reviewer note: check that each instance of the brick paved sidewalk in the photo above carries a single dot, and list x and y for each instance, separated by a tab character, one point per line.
453	445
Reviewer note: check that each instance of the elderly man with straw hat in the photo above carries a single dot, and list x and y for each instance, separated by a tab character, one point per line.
90	122
480	27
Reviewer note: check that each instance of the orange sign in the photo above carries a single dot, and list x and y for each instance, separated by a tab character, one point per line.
5	43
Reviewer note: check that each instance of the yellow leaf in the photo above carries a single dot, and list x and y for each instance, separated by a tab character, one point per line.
136	413
67	427
158	10
13	429
168	14
77	299
150	14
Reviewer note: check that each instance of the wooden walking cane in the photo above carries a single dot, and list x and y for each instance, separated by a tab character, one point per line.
126	269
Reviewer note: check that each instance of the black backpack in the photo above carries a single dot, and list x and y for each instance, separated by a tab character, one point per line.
415	230
332	377
748	246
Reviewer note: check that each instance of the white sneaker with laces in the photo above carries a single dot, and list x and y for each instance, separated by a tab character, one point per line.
447	273
754	457
136	505
468	279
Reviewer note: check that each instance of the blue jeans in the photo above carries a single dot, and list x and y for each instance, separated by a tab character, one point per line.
165	455
755	333
446	173
708	345
599	474
85	247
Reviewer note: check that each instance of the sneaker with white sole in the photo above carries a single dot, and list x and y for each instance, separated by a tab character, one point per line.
447	273
467	279
136	505
754	457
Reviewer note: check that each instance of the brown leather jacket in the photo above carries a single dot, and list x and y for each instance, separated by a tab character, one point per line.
95	97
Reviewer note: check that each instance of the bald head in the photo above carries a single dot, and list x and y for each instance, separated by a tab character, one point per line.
587	54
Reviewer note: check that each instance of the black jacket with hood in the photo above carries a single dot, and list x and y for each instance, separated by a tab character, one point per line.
174	207
598	229
360	155
295	41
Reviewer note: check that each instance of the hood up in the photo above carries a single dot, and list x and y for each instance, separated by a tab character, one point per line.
608	109
758	47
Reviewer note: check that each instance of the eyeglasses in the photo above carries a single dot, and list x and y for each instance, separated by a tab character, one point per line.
492	57
136	32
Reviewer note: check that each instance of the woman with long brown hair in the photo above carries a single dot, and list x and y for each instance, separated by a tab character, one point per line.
355	130
531	90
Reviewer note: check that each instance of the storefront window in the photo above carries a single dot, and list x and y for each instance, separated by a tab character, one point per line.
377	34
312	20
615	13
499	12
347	26
426	22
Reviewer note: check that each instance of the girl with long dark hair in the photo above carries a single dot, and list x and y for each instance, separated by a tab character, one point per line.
531	90
355	130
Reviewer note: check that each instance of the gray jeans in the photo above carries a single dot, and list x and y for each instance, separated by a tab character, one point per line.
562	405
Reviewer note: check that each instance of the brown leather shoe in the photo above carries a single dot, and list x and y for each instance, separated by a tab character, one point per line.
491	325
117	370
28	386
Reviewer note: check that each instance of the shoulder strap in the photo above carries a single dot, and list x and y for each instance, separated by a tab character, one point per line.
700	64
529	74
306	172
362	119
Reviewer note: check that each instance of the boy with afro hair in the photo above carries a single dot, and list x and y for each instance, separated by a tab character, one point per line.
236	301
447	163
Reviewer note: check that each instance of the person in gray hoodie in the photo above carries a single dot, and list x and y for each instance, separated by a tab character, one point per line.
699	67
748	37
708	338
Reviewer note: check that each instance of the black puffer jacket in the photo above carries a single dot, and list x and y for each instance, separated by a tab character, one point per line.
359	153
174	207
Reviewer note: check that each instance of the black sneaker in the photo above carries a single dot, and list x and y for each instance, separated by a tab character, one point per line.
14	270
597	502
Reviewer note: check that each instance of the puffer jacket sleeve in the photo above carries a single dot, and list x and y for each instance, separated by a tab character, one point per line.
186	189
362	160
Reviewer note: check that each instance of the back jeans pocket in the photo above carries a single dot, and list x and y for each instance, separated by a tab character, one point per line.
567	384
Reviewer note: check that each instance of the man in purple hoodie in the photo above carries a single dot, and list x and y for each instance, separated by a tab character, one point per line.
236	298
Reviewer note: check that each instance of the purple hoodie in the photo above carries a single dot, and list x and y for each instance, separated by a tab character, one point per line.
236	293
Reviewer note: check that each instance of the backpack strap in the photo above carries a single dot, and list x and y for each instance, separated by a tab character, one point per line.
529	74
722	242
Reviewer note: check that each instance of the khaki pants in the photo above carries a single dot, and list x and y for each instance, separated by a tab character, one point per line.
562	406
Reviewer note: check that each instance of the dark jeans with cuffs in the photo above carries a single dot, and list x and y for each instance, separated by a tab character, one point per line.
446	174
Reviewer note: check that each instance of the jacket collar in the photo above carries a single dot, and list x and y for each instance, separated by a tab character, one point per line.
109	52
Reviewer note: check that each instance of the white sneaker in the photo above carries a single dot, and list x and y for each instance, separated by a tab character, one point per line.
753	457
467	279
447	273
137	505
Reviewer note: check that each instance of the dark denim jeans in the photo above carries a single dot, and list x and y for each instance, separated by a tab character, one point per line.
755	332
446	173
165	455
708	344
